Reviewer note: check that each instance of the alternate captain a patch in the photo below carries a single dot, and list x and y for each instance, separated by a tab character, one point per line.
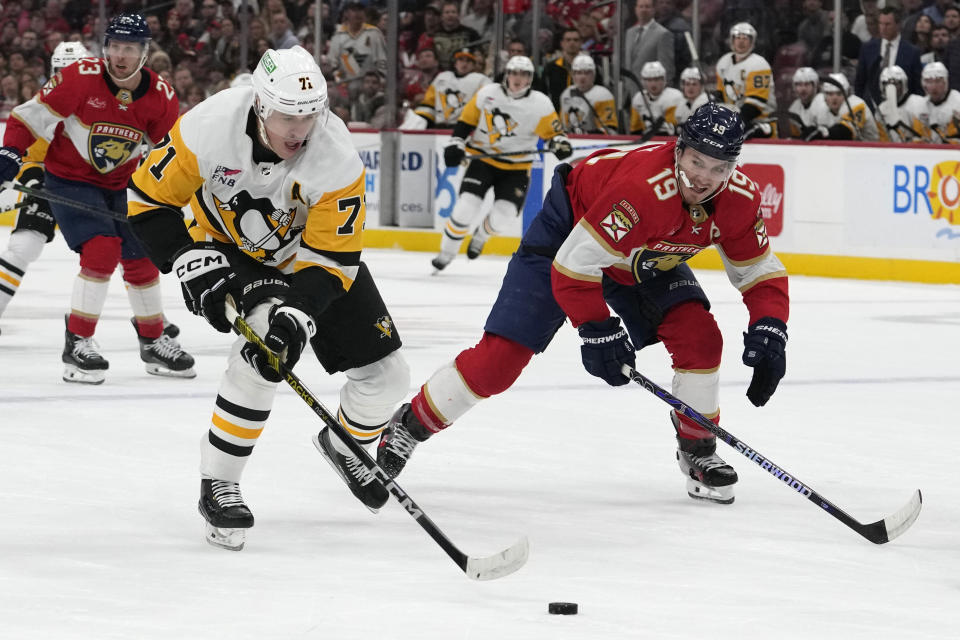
617	223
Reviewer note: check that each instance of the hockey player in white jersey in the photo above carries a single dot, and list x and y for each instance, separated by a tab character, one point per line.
655	102
943	104
903	115
745	82
586	107
450	91
808	103
694	96
357	47
276	189
844	116
499	119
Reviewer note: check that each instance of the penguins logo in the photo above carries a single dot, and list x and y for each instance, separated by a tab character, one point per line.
499	125
385	326
452	103
257	226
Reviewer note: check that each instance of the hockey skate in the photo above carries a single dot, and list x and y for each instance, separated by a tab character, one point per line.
442	260
477	242
402	435
227	516
82	360
170	329
708	476
163	356
361	481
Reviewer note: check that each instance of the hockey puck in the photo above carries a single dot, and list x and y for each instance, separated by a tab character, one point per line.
563	608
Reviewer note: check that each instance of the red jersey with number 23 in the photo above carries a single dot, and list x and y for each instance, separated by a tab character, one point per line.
630	222
97	131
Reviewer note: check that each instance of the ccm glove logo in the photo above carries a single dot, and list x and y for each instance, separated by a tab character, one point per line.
197	262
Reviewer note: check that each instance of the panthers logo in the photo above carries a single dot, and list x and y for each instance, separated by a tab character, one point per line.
112	145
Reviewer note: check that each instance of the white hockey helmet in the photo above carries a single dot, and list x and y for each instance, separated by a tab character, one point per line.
691	74
290	82
838	79
805	74
894	75
518	64
242	80
66	54
743	29
934	70
583	62
652	70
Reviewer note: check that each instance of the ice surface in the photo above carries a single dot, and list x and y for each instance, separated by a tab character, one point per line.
100	536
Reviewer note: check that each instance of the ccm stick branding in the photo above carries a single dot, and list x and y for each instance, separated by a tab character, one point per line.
776	472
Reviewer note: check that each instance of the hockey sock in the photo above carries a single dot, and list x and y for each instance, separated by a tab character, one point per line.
99	257
371	394
142	280
23	248
461	220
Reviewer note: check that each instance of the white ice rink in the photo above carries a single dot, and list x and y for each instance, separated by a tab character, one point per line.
100	536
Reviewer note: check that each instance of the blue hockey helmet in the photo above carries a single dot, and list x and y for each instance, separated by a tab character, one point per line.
129	27
714	130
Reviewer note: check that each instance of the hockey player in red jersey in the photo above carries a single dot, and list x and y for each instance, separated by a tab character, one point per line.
99	116
617	230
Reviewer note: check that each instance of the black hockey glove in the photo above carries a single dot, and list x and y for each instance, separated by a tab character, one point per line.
560	147
290	330
206	279
764	344
10	161
606	348
454	153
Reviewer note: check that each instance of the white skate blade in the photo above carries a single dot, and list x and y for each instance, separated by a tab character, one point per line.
229	539
699	491
155	369
346	481
73	373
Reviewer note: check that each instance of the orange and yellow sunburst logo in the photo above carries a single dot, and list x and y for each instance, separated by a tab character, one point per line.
944	193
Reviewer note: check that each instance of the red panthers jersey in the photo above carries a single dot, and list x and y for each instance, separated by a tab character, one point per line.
630	223
97	131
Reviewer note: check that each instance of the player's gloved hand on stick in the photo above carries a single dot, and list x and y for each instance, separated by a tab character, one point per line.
206	279
560	147
290	330
454	153
764	344
889	112
606	348
10	162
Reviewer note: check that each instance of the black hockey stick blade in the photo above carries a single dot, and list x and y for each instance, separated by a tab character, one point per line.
486	568
879	532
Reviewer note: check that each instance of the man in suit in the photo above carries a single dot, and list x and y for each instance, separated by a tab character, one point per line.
887	50
647	41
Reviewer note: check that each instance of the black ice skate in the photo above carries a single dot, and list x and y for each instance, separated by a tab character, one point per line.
227	516
708	476
170	329
82	360
402	435
361	481
163	356
442	260
477	242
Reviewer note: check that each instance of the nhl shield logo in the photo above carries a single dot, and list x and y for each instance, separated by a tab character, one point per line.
111	145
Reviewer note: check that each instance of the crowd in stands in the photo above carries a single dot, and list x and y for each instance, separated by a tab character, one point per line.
197	46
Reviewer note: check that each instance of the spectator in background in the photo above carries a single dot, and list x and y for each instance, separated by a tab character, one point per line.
9	95
922	30
911	9
208	13
452	36
431	24
370	98
647	41
866	25
8	35
814	25
480	17
53	15
30	45
939	37
937	10
418	81
886	51
822	56
50	43
281	34
557	75
666	13
159	61
951	20
356	48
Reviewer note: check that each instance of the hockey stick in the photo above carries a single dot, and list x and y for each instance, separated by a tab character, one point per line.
67	202
576	93
877	532
843	92
625	143
486	568
695	59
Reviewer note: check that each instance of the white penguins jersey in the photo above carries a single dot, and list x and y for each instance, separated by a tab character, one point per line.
306	211
802	117
749	81
861	124
944	118
664	105
447	95
910	123
353	56
579	111
686	108
502	123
